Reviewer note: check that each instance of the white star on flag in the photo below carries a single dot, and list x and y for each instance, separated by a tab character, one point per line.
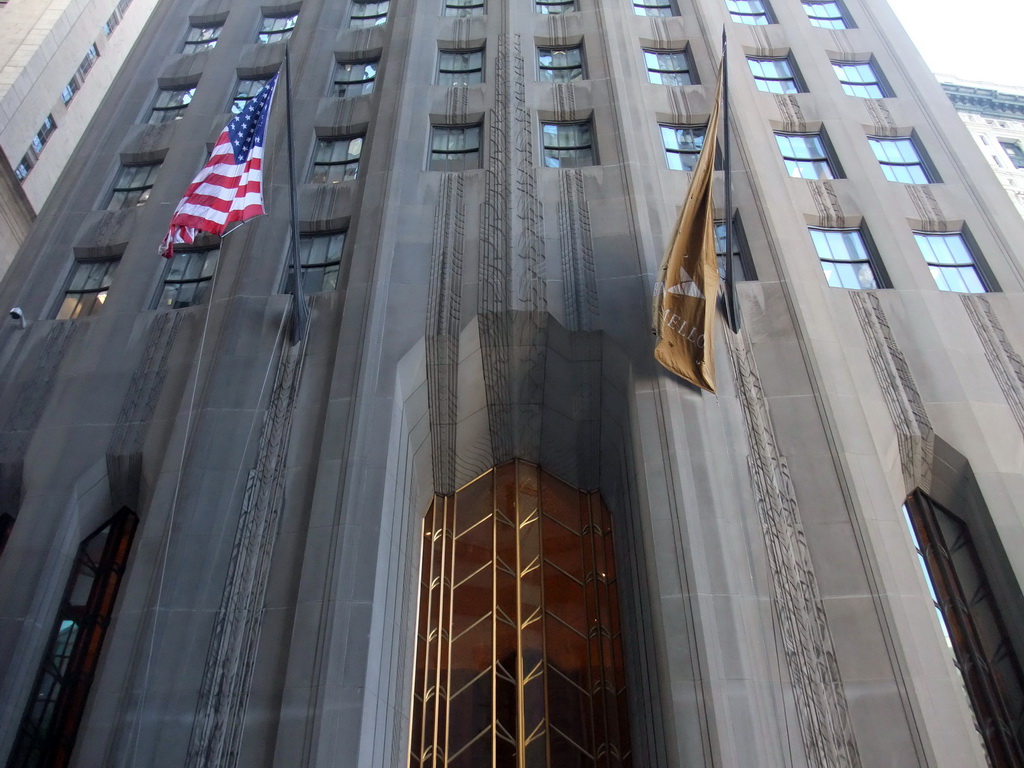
229	188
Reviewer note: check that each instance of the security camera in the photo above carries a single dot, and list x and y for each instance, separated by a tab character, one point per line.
18	314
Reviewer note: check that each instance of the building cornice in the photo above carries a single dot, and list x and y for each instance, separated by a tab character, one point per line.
987	102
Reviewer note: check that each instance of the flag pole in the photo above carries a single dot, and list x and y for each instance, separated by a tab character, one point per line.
300	314
731	310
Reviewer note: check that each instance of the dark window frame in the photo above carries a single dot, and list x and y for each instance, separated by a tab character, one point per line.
53	714
891	165
974	266
821	166
201	43
824	21
463	8
743	265
554	7
325	165
369	17
340	88
868	258
169	112
450	75
135	191
451	159
245	93
753	13
555	155
327	279
197	285
655	8
661	69
87	287
853	87
276	29
35	149
765	79
973	624
573	71
1014	152
685	158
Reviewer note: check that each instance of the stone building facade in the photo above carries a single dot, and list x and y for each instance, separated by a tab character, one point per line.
995	117
57	60
235	524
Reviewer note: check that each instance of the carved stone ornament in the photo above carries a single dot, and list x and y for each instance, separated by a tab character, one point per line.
1006	364
909	417
512	268
443	324
124	452
818	691
227	677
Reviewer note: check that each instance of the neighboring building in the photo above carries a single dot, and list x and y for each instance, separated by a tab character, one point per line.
994	114
469	521
57	59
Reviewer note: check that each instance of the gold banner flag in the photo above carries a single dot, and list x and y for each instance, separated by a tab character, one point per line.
687	287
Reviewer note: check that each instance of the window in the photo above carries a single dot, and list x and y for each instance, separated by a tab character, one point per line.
170	105
43	134
354	78
668	67
189	276
454	148
567	145
860	79
950	262
91	54
132	186
276	29
201	38
23	168
682	145
115	18
28	161
1013	151
973	624
46	736
87	289
336	160
369	14
69	91
739	265
748	11
460	67
828	15
320	262
805	155
844	258
560	65
519	648
653	8
45	131
899	159
463	8
773	75
247	89
75	83
554	6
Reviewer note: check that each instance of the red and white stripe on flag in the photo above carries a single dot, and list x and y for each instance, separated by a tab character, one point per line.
229	188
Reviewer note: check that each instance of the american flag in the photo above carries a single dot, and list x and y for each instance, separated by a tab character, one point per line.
229	189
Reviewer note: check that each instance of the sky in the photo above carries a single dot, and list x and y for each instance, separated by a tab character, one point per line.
987	36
